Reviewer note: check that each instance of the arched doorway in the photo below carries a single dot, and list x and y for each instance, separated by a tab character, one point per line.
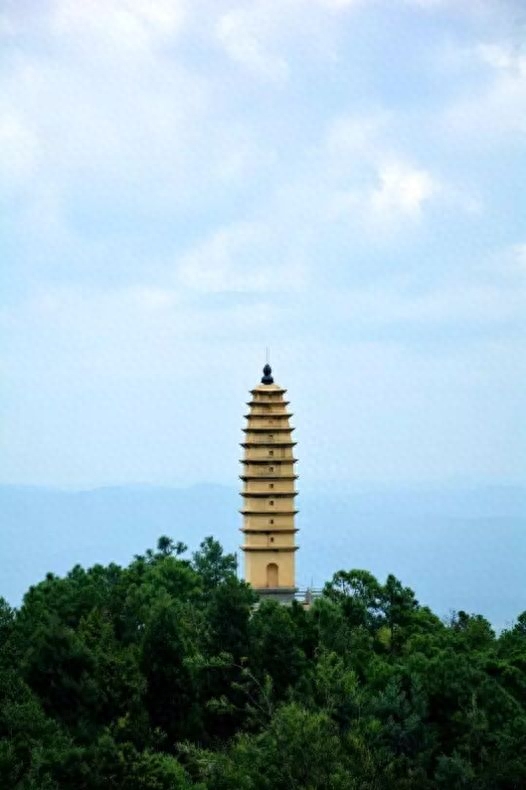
272	575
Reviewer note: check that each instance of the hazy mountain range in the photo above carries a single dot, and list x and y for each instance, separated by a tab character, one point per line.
458	548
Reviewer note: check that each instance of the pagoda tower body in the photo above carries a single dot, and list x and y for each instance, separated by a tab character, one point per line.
269	492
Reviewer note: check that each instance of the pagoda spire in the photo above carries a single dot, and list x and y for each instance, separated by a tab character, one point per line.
267	375
269	492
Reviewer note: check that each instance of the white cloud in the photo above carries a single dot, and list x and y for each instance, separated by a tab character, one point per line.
508	265
122	25
7	27
336	5
382	184
503	57
402	189
237	259
520	257
242	34
497	109
18	150
81	120
353	138
215	266
454	302
264	36
240	155
426	3
370	171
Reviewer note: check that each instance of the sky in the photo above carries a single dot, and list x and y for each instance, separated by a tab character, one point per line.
184	183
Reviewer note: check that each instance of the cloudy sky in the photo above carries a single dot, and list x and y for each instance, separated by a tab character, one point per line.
186	182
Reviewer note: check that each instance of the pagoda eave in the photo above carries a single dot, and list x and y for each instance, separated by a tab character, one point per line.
269	429
266	402
268	445
274	461
278	593
280	549
273	415
268	494
268	513
268	477
266	531
267	387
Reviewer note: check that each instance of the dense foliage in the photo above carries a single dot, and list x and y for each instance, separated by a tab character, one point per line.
167	675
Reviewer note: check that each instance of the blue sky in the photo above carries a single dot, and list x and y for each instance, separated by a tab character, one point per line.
185	183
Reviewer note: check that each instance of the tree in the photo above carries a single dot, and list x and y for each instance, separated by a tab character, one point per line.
398	605
212	565
275	647
170	694
360	596
299	750
166	547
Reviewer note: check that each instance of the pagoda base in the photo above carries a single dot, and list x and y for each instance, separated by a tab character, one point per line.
279	594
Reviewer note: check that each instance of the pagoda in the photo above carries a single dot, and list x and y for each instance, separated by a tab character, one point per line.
269	492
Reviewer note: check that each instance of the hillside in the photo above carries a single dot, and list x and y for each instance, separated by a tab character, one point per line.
165	675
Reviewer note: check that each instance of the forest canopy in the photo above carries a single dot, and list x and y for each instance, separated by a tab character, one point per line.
170	674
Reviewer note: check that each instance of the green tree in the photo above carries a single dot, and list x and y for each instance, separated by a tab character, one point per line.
360	596
213	566
170	693
276	647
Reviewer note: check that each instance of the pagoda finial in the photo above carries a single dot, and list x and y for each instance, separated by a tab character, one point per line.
267	375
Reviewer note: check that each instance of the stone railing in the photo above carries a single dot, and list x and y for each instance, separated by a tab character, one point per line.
306	595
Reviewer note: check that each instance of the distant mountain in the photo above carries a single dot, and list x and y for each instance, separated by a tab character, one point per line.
458	548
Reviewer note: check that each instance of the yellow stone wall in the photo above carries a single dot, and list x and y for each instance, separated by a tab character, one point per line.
269	468
256	565
266	521
266	452
259	486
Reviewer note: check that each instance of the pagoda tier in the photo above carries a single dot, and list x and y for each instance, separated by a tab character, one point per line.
264	487
262	522
269	492
276	458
